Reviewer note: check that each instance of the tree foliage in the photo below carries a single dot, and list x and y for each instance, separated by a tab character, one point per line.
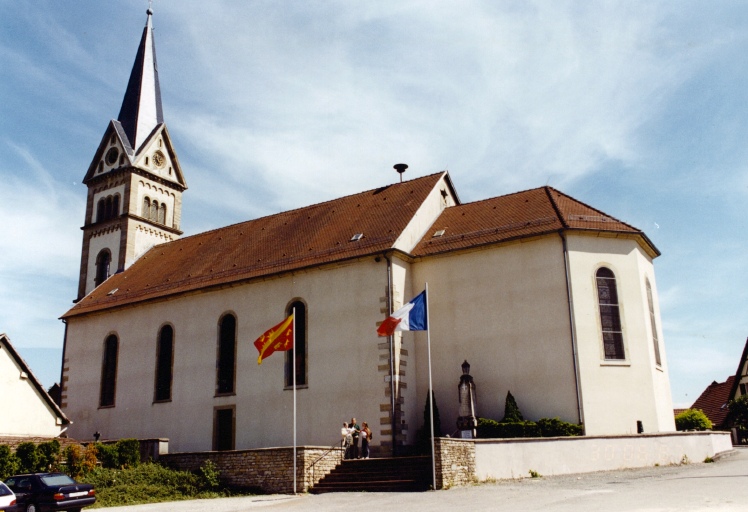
739	412
512	413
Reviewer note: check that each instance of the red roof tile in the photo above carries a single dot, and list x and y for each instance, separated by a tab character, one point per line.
713	401
529	213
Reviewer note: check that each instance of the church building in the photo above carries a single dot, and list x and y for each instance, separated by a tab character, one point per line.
543	295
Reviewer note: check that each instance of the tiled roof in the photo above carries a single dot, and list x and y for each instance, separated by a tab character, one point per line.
713	401
529	213
291	240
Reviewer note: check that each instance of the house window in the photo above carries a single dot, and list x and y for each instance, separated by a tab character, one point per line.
742	389
610	314
224	427
103	260
655	340
298	308
164	364
226	355
109	372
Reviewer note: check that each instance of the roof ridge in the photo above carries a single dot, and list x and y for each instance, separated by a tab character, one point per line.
602	213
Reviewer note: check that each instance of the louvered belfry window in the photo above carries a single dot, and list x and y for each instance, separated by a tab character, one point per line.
610	314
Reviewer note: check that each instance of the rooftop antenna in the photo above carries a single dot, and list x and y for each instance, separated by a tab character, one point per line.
400	168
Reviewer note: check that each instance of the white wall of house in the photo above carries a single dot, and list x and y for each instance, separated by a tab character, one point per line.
25	412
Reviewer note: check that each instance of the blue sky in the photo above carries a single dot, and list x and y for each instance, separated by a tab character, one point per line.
637	108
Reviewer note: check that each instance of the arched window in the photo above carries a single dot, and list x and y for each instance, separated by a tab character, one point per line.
162	214
298	308
109	372
610	314
101	210
154	211
164	363
115	206
655	340
226	355
109	208
103	260
146	208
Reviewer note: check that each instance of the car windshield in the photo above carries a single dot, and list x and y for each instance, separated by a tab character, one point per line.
4	491
57	480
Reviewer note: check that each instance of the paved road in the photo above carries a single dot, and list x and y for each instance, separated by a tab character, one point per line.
720	486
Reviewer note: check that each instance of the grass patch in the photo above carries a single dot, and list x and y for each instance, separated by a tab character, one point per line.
150	483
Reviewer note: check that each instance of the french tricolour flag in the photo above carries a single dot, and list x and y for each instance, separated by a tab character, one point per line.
410	317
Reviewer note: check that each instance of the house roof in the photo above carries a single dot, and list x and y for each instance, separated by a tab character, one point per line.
5	343
291	240
529	213
713	401
321	234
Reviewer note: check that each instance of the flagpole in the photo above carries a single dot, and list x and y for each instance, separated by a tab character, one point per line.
293	370
431	388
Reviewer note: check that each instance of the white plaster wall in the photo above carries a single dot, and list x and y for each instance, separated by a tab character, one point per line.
424	218
504	310
343	310
617	394
25	413
502	459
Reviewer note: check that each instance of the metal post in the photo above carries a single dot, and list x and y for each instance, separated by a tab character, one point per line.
431	388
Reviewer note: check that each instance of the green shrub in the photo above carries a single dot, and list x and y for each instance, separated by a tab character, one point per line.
28	457
48	454
692	419
108	455
210	475
488	429
739	412
554	427
423	435
128	451
8	462
80	460
512	413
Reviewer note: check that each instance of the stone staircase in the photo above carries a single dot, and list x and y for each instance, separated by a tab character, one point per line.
399	474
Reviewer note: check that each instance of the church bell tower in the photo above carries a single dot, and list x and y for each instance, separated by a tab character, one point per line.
134	182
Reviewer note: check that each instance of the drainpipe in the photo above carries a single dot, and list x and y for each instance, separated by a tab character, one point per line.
572	327
391	342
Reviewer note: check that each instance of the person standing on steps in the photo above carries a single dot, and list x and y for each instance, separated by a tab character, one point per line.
355	433
365	440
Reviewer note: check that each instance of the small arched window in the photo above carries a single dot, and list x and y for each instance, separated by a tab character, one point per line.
115	206
154	211
653	323
298	308
610	314
109	372
226	365
162	214
146	207
103	261
164	363
109	208
101	210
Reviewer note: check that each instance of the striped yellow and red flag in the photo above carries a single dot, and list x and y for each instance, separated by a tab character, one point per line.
278	338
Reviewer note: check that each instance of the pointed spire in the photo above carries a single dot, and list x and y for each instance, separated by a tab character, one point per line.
141	108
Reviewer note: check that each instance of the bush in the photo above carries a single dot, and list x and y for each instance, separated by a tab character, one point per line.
8	462
554	427
108	455
692	419
80	461
28	457
48	454
512	413
423	435
129	452
488	428
739	412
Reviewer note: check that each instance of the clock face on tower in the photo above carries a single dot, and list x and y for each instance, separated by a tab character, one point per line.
111	156
159	159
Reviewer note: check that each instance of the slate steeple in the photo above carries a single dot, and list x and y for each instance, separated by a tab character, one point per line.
141	108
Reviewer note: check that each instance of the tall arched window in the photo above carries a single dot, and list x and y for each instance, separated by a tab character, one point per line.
162	214
146	207
610	314
164	363
226	367
103	260
154	211
115	205
655	340
109	372
298	308
109	208
101	210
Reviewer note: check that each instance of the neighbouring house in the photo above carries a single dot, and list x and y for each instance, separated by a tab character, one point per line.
544	295
27	409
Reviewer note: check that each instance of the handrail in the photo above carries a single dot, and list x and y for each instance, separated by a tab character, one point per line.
331	448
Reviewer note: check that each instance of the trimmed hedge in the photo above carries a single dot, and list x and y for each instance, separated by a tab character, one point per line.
545	427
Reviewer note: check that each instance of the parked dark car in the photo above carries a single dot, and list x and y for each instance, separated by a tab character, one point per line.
45	492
